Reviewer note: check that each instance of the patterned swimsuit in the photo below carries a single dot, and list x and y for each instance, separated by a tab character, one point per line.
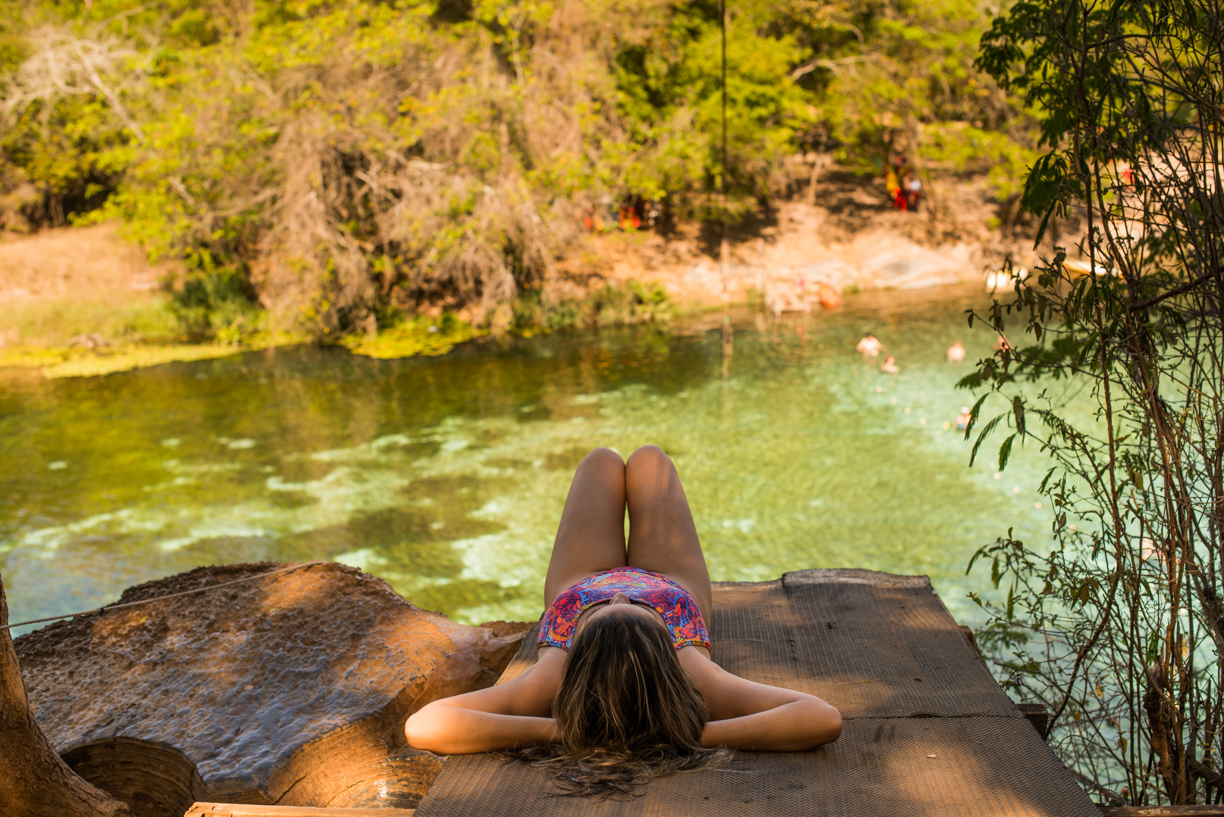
679	610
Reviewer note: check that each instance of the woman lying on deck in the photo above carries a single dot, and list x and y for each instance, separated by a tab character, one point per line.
624	664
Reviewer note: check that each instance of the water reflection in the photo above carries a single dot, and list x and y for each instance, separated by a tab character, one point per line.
446	475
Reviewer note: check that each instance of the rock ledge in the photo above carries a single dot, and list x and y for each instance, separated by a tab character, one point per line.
290	690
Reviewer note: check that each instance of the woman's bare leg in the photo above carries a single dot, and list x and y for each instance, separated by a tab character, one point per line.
662	536
591	536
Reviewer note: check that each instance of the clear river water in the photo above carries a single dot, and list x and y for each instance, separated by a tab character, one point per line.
446	476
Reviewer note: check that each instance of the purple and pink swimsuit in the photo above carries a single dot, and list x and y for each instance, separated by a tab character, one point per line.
679	610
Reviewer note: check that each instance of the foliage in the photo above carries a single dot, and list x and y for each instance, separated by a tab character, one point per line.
610	305
339	162
1119	627
899	78
78	361
530	314
59	159
419	336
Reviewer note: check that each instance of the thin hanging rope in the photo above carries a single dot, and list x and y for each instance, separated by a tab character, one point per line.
169	596
722	22
724	250
722	178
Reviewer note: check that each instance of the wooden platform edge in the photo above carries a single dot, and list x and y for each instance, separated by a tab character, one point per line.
239	810
1163	811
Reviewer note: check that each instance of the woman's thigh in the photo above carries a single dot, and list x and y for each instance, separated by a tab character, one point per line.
662	535
591	535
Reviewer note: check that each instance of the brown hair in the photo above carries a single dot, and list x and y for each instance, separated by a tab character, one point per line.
626	710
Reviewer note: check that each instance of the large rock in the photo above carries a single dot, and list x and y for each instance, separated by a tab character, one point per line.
900	264
291	689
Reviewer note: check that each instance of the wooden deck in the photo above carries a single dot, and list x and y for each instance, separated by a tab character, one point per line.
927	731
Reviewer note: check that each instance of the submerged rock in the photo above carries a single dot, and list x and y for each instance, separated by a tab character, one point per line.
291	689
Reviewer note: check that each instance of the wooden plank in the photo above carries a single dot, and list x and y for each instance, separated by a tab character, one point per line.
1164	811
967	632
1038	716
239	810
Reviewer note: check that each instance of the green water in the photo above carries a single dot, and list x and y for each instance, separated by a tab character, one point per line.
446	476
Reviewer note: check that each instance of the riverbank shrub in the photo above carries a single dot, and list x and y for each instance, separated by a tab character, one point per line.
1116	623
333	162
632	302
421	335
530	314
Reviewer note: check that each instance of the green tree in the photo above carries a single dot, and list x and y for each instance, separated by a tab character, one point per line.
1120	627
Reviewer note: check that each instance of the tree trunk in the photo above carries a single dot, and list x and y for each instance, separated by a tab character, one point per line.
34	781
822	160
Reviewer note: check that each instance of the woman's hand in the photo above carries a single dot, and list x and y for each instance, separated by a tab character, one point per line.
748	715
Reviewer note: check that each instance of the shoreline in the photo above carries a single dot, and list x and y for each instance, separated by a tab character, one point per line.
409	340
77	361
82	302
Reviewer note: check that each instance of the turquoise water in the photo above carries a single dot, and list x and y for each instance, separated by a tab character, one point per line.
446	476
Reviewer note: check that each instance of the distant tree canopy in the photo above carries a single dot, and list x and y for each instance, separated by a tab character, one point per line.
346	161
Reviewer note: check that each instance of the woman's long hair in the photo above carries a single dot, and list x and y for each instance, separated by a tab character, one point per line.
627	712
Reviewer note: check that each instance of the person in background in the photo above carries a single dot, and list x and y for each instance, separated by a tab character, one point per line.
900	172
892	180
629	217
828	295
913	192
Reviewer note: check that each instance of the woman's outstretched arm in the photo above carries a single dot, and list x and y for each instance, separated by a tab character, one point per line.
488	719
449	728
748	715
795	726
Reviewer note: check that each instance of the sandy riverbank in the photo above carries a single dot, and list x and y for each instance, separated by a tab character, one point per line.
79	301
846	236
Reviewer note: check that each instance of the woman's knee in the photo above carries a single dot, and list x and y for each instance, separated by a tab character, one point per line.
646	467
602	458
649	458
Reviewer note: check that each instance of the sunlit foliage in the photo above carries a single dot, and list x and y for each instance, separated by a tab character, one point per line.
1117	623
344	163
